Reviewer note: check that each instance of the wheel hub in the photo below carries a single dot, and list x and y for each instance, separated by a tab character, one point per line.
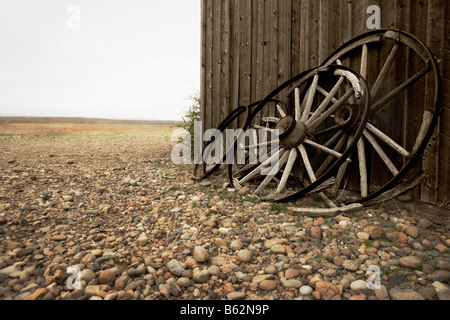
292	133
347	116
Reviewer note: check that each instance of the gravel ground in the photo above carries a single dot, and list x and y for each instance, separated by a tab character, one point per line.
112	218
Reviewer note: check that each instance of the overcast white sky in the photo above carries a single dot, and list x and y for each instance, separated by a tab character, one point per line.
120	59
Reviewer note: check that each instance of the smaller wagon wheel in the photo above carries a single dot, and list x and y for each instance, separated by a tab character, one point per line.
207	149
209	169
316	127
400	71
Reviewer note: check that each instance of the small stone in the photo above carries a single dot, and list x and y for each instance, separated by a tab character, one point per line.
245	190
358	285
350	265
236	295
411	262
374	232
291	283
214	270
278	248
327	289
316	232
106	276
440	276
37	294
400	236
244	255
87	275
404	294
124	295
381	293
200	276
363	235
184	282
424	223
443	265
440	247
175	290
442	290
59	237
201	254
318	222
97	252
305	290
142	241
268	285
291	273
413	232
262	277
175	267
271	242
236	245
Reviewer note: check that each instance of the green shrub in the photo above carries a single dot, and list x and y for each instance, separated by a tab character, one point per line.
192	115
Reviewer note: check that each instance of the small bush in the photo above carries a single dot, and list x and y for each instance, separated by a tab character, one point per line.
192	115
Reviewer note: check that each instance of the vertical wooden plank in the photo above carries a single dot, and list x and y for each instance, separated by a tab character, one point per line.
260	53
234	57
430	165
295	36
304	33
207	119
323	30
225	60
245	51
216	35
273	52
314	39
203	58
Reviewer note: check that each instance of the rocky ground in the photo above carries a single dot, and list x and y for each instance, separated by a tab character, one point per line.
137	227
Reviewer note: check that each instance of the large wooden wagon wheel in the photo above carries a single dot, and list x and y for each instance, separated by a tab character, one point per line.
319	124
401	72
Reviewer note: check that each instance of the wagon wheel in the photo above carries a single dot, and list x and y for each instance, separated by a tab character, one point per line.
316	126
398	68
210	168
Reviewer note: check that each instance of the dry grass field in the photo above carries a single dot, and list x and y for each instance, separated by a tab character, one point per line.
16	127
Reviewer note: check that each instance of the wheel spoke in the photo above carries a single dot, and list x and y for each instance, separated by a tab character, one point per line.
310	99
405	85
380	152
261	166
307	163
362	168
331	110
281	111
384	70
394	145
327	131
322	148
326	93
325	102
298	108
328	160
272	173
343	168
287	170
363	70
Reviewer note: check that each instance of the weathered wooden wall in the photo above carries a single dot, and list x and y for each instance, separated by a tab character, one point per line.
251	46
